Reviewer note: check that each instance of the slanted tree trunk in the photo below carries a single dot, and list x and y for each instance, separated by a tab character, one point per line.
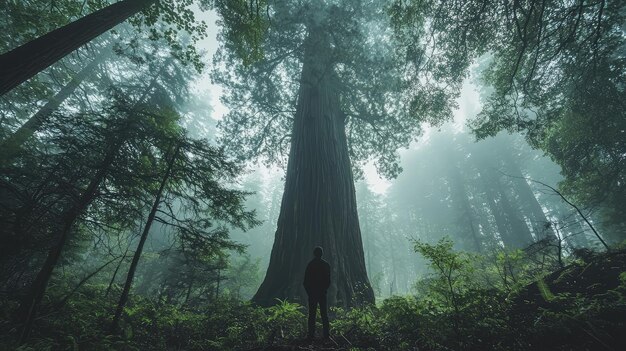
29	305
112	281
22	63
12	145
142	240
319	203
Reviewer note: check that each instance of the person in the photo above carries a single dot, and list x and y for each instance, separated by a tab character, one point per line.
316	283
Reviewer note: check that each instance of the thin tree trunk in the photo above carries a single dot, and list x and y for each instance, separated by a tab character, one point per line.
217	285
142	241
28	308
528	201
13	144
459	195
576	235
369	255
189	288
519	229
392	254
503	230
22	63
83	281
117	268
112	281
319	203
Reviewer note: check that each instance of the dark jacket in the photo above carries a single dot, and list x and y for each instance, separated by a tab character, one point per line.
317	276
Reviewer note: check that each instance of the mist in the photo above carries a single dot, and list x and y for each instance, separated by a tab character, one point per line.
213	175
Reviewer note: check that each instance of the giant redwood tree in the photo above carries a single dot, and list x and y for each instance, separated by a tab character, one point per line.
323	83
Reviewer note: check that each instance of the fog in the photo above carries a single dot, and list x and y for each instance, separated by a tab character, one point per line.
170	171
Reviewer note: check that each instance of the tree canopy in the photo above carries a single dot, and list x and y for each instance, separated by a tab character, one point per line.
556	74
385	93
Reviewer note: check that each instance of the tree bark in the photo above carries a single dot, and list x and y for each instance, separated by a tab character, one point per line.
142	241
319	203
22	63
13	144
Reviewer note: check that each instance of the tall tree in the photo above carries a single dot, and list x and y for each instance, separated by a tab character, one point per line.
329	86
29	59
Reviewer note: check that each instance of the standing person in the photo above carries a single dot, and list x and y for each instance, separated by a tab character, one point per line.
316	283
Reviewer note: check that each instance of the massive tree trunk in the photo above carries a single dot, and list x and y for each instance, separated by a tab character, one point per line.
319	202
22	63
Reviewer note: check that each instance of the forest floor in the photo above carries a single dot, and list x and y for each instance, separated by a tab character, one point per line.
580	306
583	300
334	343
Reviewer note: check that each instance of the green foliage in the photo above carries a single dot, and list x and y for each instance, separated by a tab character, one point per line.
581	307
357	323
551	70
244	26
150	325
266	44
286	319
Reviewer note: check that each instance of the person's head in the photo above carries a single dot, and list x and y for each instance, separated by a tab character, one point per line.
318	252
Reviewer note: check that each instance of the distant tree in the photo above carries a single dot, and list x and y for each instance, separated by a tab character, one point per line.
556	73
242	277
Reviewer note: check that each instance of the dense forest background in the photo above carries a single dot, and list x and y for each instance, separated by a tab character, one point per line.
166	168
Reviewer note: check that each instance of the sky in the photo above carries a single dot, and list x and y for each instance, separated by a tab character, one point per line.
468	102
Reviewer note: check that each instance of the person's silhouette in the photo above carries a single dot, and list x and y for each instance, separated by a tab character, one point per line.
316	282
